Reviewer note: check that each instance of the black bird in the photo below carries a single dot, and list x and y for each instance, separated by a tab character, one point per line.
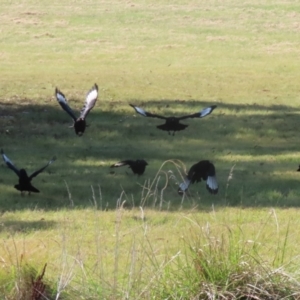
204	170
24	179
137	166
173	123
79	123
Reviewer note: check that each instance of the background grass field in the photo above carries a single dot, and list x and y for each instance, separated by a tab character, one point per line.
169	58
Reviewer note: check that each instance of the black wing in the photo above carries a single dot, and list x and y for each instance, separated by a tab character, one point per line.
9	163
145	113
90	101
42	169
211	171
201	170
203	113
64	103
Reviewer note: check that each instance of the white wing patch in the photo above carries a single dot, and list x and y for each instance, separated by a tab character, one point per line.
61	98
212	183
119	164
90	101
92	95
204	112
184	185
6	159
140	111
52	160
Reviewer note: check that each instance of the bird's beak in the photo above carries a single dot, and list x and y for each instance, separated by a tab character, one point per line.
180	191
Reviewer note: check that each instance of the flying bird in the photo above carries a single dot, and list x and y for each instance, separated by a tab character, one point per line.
203	170
90	100
173	123
137	166
24	179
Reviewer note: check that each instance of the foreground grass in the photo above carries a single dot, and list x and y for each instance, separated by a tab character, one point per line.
169	58
134	254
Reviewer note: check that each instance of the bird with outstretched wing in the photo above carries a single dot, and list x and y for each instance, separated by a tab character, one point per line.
24	179
173	123
90	101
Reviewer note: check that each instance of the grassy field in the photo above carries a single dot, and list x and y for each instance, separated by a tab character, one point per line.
129	254
169	58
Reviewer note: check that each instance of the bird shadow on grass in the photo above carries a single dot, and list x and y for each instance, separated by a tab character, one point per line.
260	141
18	226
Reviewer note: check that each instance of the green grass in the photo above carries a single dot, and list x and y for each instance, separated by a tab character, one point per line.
169	58
114	254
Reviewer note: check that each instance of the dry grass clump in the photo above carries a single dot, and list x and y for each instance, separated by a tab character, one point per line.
225	265
251	282
27	283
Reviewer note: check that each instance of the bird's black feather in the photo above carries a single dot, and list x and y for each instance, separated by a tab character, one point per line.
137	166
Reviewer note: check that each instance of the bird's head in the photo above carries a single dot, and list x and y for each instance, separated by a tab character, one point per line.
23	173
172	120
143	162
180	191
17	187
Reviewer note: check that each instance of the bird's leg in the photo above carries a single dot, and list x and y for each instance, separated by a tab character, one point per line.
169	132
22	194
173	133
28	193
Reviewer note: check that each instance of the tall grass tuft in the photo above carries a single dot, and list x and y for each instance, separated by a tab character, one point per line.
221	263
